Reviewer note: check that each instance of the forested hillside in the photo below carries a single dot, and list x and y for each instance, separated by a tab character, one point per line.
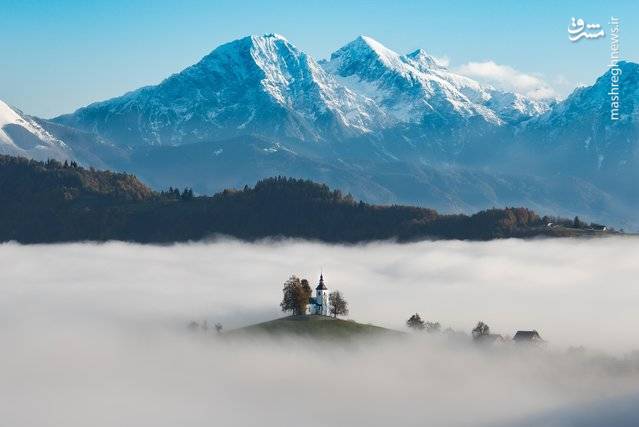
55	202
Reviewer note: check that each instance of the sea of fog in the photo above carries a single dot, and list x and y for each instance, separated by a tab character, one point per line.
95	334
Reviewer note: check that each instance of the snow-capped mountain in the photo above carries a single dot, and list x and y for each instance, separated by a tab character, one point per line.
514	107
388	127
410	88
264	85
577	136
22	135
256	85
414	87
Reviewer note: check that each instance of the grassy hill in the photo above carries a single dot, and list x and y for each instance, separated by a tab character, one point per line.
314	326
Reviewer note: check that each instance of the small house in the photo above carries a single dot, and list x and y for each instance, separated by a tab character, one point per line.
529	337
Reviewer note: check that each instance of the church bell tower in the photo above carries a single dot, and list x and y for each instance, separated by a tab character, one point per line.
321	296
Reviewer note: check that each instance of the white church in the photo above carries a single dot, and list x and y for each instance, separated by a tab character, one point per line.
319	303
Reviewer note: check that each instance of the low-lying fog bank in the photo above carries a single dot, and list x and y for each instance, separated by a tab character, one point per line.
96	335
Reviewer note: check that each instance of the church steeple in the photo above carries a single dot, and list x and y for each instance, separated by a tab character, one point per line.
321	285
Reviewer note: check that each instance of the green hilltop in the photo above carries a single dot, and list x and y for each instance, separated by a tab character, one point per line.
314	326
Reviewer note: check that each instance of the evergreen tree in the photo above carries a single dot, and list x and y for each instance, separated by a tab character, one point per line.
187	194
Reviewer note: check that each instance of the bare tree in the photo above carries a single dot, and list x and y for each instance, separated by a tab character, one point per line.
218	328
415	322
480	330
337	303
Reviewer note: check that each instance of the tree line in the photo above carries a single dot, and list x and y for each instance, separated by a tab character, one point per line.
416	323
44	202
480	334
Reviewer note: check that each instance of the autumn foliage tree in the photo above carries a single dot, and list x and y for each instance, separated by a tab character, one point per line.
296	294
337	303
303	295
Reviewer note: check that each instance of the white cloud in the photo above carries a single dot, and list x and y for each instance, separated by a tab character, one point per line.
95	335
508	78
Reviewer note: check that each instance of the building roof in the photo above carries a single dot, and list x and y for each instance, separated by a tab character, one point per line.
321	285
527	336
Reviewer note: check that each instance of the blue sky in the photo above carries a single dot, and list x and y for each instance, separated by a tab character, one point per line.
58	55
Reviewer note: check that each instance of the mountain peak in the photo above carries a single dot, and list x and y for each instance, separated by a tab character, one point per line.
268	57
21	135
371	43
274	36
417	53
366	58
367	47
270	42
628	73
269	39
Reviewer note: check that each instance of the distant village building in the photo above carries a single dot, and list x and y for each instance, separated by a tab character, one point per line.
528	337
599	227
319	303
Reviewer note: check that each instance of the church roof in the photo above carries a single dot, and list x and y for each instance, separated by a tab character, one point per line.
527	336
321	285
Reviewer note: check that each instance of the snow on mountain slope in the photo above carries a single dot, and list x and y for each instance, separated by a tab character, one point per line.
402	85
256	85
514	107
265	86
21	135
581	136
595	100
421	60
415	86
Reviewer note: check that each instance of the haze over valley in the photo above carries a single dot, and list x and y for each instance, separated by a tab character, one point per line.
101	329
